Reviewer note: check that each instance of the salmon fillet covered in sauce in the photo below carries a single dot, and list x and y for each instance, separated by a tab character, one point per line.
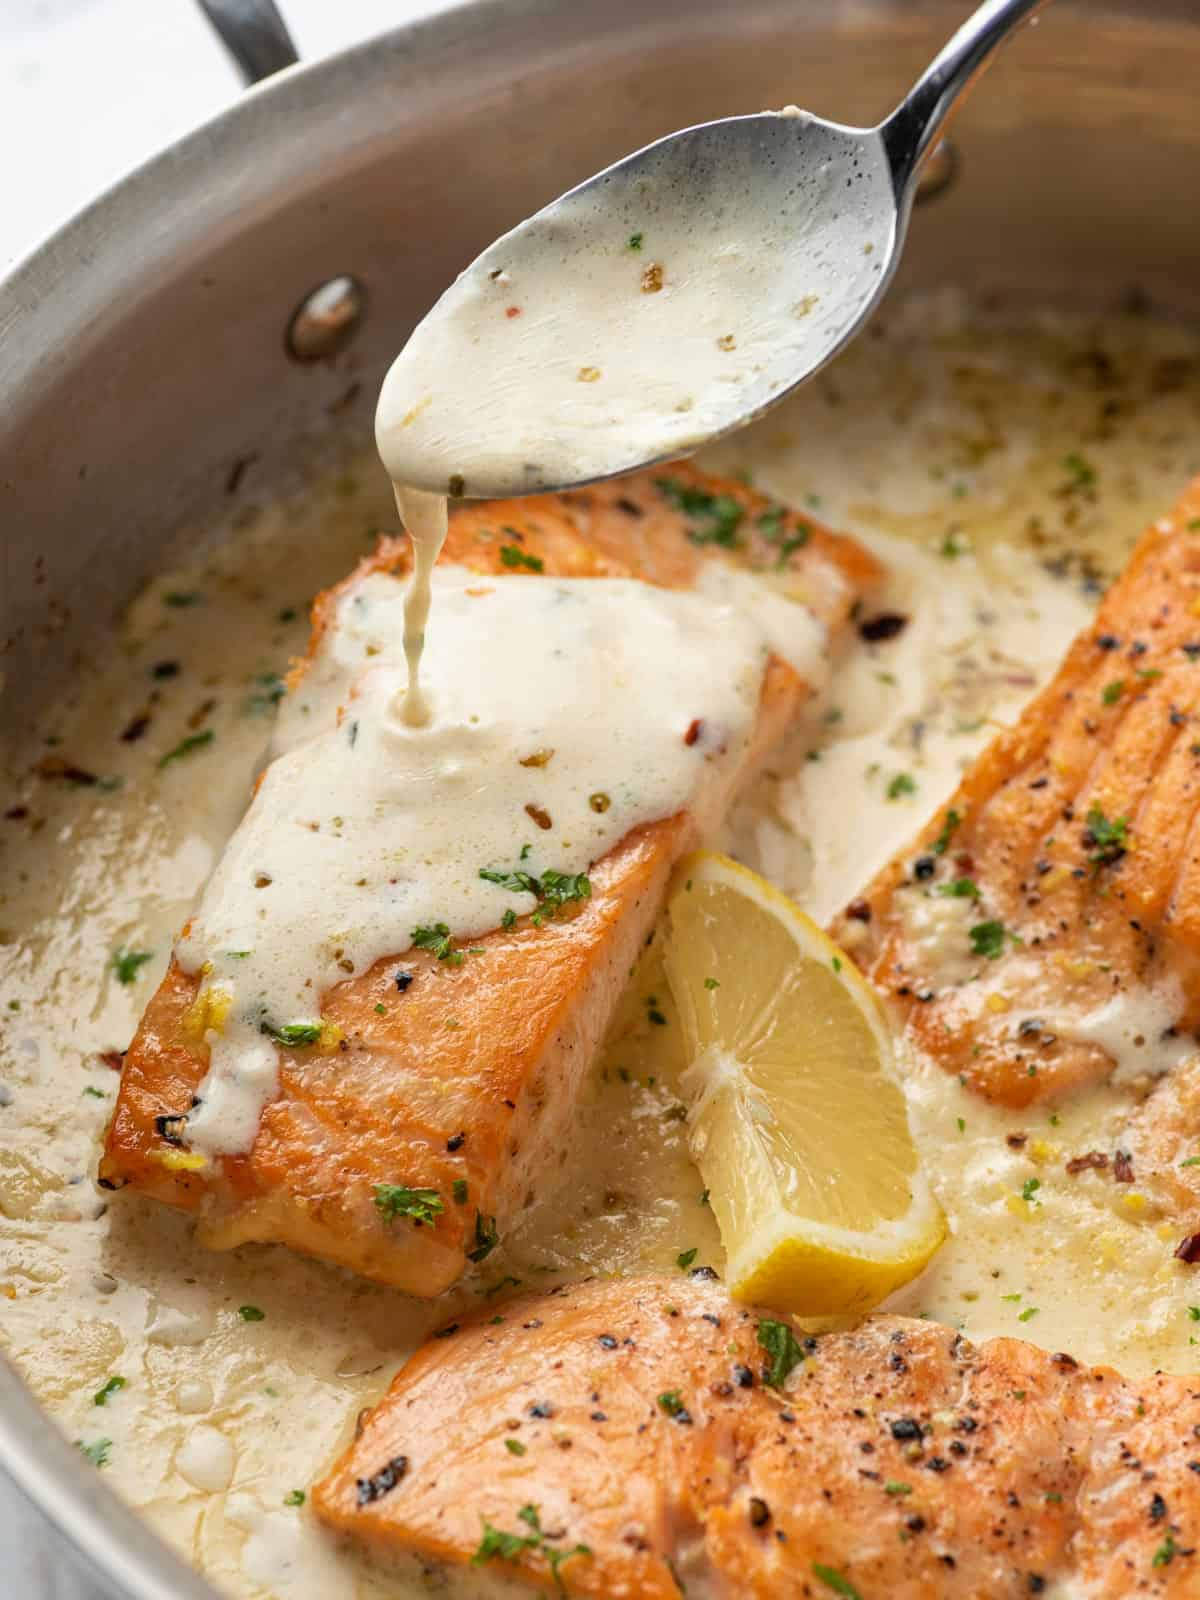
646	1438
406	1140
1046	922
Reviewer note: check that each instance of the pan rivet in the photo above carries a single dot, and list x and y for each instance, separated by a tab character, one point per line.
325	321
939	171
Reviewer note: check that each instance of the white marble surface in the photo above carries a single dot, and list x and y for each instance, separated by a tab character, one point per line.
88	88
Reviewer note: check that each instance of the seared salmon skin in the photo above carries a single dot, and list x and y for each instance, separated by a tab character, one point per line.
457	1082
1046	922
648	1438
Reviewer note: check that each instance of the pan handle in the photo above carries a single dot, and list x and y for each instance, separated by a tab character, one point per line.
255	35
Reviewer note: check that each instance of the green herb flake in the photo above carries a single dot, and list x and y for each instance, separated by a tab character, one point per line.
514	1447
459	1190
1165	1553
1113	691
634	242
1083	474
252	1314
1194	1313
1029	1189
781	1344
1107	841
897	1488
1028	1314
713	518
833	1579
512	556
685	1257
96	1094
294	1497
126	963
959	889
486	1237
949	828
107	1390
670	1402
902	783
187	747
1192	1161
293	1034
437	940
962	1124
712	983
509	918
397	1200
96	1452
509	1546
988	940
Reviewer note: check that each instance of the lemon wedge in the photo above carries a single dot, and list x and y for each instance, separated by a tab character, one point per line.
795	1116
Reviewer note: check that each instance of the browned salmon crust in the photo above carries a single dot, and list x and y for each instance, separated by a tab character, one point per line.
1078	829
468	1077
638	1418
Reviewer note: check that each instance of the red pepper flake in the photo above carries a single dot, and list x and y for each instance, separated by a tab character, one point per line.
694	728
1123	1166
542	818
512	311
1188	1249
1095	1159
858	911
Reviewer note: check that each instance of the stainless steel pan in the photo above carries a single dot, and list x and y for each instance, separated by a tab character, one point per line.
146	378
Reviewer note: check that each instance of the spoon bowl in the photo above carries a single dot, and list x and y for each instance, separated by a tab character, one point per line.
668	300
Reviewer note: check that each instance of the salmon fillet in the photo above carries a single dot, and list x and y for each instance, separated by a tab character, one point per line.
1062	882
463	1079
635	1440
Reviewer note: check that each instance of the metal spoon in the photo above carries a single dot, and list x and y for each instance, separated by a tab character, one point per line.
670	299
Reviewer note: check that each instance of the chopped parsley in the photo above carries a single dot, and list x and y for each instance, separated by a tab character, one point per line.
714	518
511	556
268	692
771	521
459	1190
712	983
902	783
1029	1189
951	825
185	747
108	1389
125	963
437	939
96	1452
959	889
670	1402
396	1200
295	1033
634	241
1083	474
486	1237
509	1546
514	1447
1113	691
788	548
1194	1313
685	1257
294	1497
987	939
781	1344
252	1314
509	918
1165	1553
96	1094
833	1579
1192	1161
553	889
897	1488
962	1124
1028	1314
1107	841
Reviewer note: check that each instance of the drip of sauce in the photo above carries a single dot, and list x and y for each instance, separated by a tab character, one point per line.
426	518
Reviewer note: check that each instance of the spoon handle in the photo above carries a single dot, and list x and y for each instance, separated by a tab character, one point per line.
910	131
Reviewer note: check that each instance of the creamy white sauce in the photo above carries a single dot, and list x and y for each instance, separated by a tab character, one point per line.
425	516
562	709
948	425
636	317
1135	1029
